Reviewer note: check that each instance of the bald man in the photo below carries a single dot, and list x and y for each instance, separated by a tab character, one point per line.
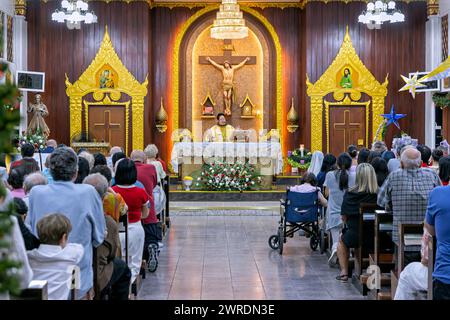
405	192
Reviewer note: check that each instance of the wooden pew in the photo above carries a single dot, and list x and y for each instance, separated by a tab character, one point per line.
37	290
166	189
382	257
361	253
410	234
431	260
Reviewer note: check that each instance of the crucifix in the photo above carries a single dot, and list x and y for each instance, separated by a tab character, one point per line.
107	124
348	127
227	64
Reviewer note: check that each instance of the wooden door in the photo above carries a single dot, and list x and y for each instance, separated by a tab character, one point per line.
347	126
107	124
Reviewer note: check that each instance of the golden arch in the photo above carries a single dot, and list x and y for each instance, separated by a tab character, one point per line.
176	62
108	92
328	83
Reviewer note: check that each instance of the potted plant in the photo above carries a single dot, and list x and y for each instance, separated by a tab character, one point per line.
300	159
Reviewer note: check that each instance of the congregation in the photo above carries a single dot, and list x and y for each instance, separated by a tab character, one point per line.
70	213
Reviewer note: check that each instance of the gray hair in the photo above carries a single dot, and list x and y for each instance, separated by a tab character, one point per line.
63	164
411	158
138	155
99	182
52	143
151	151
115	149
32	180
89	157
379	146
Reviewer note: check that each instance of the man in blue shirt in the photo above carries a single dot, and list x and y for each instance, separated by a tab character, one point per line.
78	202
437	222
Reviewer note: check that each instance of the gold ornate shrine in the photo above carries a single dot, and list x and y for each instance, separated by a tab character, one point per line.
107	83
346	87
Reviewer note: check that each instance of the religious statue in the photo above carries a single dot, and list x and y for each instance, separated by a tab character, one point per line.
221	132
106	80
227	84
37	123
346	81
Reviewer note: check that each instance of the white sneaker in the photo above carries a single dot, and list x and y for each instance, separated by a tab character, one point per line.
160	244
333	258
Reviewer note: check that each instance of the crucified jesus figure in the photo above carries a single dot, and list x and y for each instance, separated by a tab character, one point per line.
227	83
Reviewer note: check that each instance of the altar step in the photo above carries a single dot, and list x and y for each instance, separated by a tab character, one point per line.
226	196
231	208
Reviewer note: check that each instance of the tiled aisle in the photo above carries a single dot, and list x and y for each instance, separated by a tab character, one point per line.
228	257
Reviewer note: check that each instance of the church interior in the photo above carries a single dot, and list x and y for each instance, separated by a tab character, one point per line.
233	105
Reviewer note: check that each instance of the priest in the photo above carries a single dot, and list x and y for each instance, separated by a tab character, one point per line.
221	132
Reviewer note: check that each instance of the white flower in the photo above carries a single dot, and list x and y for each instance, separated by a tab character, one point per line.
40	141
210	181
197	184
203	173
198	179
253	182
246	179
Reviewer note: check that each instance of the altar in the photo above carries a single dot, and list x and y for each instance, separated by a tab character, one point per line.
188	158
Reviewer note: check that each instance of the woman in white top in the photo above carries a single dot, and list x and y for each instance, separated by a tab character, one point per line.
151	151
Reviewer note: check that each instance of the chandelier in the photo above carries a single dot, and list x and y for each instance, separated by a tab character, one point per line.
229	23
379	12
73	13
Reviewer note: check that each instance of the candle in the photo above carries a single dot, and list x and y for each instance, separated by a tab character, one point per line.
302	147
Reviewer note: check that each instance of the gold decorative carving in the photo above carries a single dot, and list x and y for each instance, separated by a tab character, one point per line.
21	7
247	107
176	62
292	118
161	118
328	83
126	83
432	7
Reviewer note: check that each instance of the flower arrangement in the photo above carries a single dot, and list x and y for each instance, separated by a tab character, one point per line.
37	139
300	158
221	176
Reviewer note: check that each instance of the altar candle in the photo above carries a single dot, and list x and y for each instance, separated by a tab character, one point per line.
302	147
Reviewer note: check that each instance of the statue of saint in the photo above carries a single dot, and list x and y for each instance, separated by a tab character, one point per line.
227	84
37	123
106	80
346	81
221	132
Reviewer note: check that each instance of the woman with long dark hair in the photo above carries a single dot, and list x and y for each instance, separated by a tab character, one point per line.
444	170
328	164
336	183
381	170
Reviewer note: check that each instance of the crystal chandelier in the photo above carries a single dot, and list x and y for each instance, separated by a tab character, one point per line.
229	23
73	13
379	12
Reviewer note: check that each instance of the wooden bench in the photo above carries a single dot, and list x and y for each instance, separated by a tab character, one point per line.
37	290
361	253
410	235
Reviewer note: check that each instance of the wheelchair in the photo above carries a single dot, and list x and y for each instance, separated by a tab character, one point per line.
300	211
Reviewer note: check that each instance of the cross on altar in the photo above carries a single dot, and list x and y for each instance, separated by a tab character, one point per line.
228	48
107	124
348	127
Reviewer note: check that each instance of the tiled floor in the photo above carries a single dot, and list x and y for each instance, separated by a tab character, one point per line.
228	257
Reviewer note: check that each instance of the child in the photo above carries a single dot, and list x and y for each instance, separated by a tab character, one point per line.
55	259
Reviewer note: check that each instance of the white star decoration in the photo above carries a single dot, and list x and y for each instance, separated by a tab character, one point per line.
412	84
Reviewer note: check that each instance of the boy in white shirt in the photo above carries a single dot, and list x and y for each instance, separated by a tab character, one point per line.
55	259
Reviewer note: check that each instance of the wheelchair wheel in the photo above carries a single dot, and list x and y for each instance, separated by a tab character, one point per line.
281	239
314	242
274	242
322	241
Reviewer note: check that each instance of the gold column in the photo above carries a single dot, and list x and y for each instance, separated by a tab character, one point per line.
316	118
138	123
75	116
432	7
21	7
377	110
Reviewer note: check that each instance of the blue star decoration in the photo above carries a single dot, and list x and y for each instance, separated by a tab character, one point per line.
393	117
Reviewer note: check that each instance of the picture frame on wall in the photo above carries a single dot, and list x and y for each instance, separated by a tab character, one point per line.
445	84
430	86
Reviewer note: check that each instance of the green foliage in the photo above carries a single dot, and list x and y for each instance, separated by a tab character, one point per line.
296	160
9	120
441	99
